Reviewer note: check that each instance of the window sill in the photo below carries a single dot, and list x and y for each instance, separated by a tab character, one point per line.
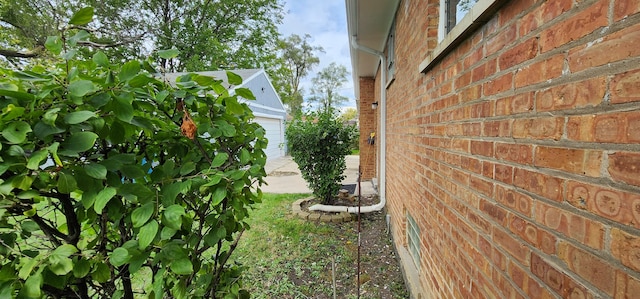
479	14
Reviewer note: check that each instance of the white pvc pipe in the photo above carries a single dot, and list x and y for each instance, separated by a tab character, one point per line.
351	10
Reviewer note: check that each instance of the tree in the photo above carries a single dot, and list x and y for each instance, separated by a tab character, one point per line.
349	114
108	176
209	35
326	85
296	58
319	143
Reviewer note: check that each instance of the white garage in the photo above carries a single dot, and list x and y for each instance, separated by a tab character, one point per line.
267	107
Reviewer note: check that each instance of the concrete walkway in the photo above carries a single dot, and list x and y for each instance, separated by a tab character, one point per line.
283	176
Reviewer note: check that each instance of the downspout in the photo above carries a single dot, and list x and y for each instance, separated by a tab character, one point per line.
383	142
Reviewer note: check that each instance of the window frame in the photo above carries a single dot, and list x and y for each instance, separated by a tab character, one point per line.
478	15
413	240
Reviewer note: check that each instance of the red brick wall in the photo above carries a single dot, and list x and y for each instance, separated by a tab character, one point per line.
368	121
518	154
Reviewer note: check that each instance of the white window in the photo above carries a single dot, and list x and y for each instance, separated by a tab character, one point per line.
452	11
391	55
413	240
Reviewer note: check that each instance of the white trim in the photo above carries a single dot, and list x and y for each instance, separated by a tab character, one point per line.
478	15
265	115
254	105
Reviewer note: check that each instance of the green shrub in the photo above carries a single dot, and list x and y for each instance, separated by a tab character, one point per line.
318	143
113	183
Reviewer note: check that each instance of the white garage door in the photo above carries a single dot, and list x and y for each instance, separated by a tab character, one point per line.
275	134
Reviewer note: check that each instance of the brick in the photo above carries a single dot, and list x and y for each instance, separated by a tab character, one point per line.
504	36
625	247
514	200
538	128
504	173
564	285
518	153
577	26
482	186
547	11
526	283
625	87
499	84
470	94
599	52
484	70
578	161
524	229
526	50
625	8
625	167
483	148
571	96
497	213
500	128
514	247
540	71
512	9
539	183
627	287
520	103
619	206
593	269
581	229
619	127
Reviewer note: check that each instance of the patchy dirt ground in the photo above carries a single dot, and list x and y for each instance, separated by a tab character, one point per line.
380	274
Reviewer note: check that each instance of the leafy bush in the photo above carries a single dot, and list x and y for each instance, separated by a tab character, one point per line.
318	143
114	183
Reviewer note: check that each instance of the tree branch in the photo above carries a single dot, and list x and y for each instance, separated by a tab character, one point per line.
17	54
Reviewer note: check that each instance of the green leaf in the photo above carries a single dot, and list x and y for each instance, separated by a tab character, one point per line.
32	286
219	159
80	88
173	215
101	273
218	195
204	80
65	250
119	257
182	266
16	132
168	54
245	93
27	267
215	235
140	215
101	59
60	265
81	268
123	108
22	182
140	80
54	44
102	198
82	17
79	142
129	70
245	156
147	233
233	78
66	183
96	171
187	168
36	159
78	116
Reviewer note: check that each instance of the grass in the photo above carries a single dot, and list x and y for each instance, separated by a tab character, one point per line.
287	257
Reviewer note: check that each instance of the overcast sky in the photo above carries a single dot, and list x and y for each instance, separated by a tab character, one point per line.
325	21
